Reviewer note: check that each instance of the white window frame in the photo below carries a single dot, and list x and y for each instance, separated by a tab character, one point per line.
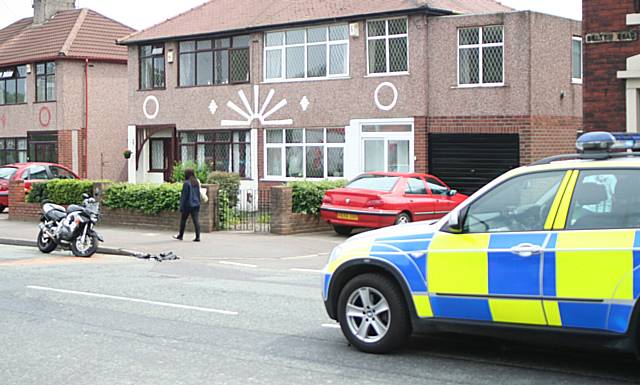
577	80
481	45
386	137
283	154
283	49
386	37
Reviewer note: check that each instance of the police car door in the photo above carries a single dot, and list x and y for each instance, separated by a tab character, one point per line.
492	270
591	277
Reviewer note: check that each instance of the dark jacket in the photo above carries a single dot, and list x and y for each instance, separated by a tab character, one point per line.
189	198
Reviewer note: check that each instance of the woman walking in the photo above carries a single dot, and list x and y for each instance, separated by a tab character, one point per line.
189	204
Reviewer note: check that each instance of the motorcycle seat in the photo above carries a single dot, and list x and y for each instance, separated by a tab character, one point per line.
55	215
74	208
53	207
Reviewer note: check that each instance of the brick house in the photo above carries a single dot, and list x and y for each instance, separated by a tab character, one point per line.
286	90
63	83
611	65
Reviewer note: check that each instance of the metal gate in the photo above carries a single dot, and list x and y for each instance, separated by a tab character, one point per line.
466	162
248	211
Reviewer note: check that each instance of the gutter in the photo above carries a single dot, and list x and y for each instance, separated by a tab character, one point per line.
405	12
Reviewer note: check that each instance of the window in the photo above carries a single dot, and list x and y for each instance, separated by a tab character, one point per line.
576	59
46	82
388	46
61	173
519	204
13	85
219	61
156	155
152	71
436	187
305	153
317	52
13	150
605	199
415	186
481	56
43	147
228	151
36	173
374	182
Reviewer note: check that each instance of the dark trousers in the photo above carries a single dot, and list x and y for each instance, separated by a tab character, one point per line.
195	216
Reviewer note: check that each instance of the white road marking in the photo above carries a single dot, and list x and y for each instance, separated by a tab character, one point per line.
307	270
331	326
237	264
304	256
137	300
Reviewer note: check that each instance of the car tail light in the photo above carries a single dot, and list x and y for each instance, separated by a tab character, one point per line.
327	199
374	203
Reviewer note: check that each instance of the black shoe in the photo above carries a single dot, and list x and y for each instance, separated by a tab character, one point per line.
177	237
197	240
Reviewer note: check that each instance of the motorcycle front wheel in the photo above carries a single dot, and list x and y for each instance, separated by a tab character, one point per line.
84	249
45	243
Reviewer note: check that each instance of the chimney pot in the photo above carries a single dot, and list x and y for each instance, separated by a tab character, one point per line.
44	10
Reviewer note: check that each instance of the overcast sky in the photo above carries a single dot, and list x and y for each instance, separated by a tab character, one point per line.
144	13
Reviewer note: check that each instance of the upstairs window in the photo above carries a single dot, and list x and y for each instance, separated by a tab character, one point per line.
152	68
481	56
388	46
311	53
13	85
576	59
218	61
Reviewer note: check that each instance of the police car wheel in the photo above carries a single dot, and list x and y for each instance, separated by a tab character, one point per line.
373	314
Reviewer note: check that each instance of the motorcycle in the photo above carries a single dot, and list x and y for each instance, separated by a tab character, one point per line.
71	228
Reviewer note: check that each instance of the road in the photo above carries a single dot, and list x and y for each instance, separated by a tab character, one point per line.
119	320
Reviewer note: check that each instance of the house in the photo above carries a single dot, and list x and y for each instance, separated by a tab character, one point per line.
611	65
286	90
63	83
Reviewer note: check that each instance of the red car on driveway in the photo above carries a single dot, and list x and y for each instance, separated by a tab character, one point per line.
30	173
379	199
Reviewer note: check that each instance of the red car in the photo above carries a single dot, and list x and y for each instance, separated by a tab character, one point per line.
379	199
30	173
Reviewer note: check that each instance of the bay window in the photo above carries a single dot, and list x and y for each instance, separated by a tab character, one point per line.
308	53
13	150
13	85
388	46
218	61
228	151
152	67
304	153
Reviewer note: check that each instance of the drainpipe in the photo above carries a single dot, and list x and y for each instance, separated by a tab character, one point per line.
86	118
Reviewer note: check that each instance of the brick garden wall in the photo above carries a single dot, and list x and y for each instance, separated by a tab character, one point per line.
604	94
284	221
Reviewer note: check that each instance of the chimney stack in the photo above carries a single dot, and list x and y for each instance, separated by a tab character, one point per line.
43	10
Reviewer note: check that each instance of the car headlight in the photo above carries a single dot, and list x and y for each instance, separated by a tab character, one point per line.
335	253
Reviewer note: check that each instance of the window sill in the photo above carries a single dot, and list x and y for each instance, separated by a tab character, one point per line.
213	85
305	80
382	75
576	81
470	86
152	89
13	104
43	102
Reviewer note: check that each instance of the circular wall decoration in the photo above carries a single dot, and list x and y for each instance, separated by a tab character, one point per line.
154	100
376	96
44	117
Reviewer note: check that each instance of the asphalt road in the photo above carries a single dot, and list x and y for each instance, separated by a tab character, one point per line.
117	320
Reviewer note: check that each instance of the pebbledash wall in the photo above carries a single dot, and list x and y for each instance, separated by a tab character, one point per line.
611	65
537	101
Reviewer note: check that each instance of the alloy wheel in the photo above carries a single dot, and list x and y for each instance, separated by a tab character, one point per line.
368	314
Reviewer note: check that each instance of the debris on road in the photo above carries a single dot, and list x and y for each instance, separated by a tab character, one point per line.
169	256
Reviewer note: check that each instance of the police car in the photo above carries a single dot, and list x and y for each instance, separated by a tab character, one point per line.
551	249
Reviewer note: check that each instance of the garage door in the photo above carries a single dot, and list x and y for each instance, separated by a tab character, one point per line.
467	162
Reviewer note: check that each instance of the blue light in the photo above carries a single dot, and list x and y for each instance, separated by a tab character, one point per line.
595	142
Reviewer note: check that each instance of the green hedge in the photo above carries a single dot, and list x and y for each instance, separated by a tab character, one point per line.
201	170
228	183
147	198
307	195
60	191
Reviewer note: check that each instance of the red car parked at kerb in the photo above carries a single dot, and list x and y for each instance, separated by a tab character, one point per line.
379	199
30	173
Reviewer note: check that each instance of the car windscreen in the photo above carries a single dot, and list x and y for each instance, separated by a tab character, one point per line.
7	172
374	182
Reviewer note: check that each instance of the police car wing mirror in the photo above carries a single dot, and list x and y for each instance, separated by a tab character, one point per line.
456	221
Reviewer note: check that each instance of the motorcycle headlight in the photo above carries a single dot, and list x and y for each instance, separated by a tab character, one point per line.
94	217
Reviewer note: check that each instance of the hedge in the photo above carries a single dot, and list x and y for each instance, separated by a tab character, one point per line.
60	191
147	198
307	196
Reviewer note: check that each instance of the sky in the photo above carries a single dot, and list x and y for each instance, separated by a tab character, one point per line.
141	14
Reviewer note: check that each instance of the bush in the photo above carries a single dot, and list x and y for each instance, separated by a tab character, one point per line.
228	183
60	191
307	196
146	198
202	171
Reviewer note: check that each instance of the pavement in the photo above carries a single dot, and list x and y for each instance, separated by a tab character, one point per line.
117	320
313	248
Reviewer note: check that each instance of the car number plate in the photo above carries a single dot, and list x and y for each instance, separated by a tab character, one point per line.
348	217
